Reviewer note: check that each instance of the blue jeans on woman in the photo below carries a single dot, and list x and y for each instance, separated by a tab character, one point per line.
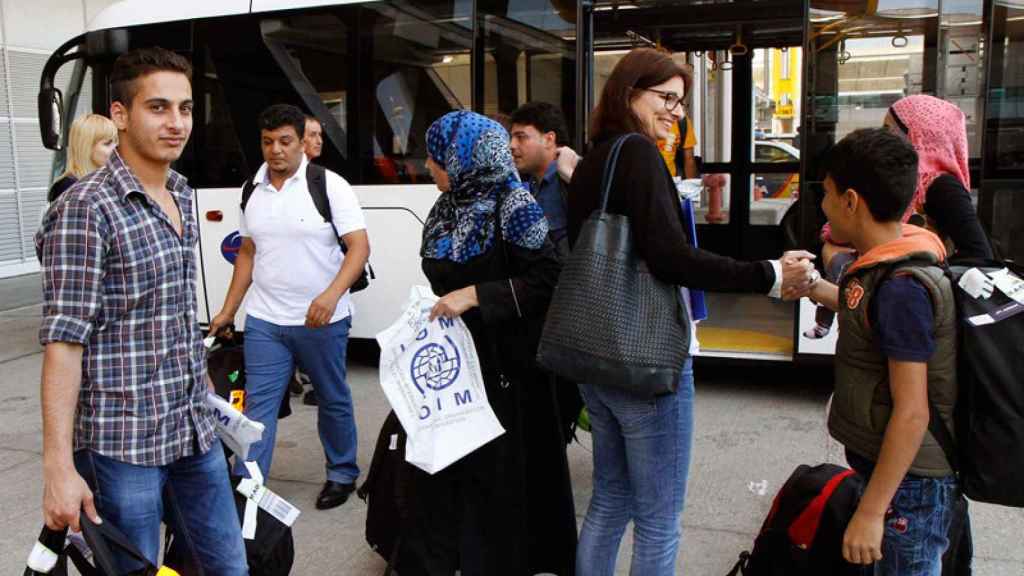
270	354
641	461
193	495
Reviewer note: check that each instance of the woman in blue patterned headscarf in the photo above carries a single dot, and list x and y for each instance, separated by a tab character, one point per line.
507	508
472	151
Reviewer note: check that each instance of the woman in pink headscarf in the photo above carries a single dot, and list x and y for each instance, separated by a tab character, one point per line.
938	132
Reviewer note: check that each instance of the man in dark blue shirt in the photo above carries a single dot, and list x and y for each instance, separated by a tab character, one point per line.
539	139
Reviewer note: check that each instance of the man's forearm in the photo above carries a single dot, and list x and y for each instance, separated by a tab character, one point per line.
61	381
351	269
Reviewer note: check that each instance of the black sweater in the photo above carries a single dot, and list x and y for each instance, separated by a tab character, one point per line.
642	189
948	205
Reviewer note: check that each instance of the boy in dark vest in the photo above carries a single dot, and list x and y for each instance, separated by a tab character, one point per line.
896	351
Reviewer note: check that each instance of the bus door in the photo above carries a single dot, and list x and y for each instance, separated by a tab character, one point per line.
862	58
744	110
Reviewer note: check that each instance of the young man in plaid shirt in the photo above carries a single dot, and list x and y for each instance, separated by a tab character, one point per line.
127	436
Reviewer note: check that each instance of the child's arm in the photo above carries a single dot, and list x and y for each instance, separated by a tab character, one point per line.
825	293
862	543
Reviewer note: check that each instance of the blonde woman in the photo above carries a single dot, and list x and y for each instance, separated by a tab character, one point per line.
92	140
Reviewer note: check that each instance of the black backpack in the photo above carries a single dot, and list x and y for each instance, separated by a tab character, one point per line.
388	491
989	416
803	533
316	180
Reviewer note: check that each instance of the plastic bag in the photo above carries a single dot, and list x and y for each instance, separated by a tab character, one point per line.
430	374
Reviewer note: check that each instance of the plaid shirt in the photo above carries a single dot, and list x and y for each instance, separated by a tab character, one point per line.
118	280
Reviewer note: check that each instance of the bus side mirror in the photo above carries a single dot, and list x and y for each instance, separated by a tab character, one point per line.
51	121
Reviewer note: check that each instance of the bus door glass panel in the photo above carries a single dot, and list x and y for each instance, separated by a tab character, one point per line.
961	64
710	111
777	75
529	51
420	67
1004	162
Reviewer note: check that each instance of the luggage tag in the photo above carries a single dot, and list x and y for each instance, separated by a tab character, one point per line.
236	430
259	496
1009	284
977	284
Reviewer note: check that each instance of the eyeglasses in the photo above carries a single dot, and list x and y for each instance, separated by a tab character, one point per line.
672	100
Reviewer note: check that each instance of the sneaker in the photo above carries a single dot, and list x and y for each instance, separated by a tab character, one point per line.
817	332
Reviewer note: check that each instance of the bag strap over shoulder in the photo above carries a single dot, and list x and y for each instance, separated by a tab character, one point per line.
609	169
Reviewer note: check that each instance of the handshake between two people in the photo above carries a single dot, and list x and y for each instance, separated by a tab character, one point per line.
798	274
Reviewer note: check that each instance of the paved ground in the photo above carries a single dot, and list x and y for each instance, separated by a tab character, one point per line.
753	427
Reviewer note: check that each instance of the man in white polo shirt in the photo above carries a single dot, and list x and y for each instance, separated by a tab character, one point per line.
298	307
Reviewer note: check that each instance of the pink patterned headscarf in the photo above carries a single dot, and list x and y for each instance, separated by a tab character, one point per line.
938	132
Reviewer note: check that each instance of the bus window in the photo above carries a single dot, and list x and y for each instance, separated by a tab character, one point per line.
529	56
961	68
222	163
777	80
312	50
1004	141
419	64
712	114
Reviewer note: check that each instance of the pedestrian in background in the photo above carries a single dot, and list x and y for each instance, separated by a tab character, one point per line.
91	141
298	307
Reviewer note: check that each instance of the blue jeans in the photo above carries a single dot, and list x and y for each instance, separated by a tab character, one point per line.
641	461
193	495
270	354
916	527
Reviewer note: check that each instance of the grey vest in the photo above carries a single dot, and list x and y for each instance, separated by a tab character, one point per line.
862	403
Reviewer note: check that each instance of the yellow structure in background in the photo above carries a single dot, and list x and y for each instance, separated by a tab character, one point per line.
785	87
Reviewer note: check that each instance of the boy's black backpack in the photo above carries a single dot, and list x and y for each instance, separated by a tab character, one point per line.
803	533
316	180
989	451
388	490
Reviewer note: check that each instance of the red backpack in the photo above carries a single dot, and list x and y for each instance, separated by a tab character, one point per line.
803	533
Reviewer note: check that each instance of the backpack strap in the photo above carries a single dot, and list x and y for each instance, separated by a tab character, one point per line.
247	189
316	181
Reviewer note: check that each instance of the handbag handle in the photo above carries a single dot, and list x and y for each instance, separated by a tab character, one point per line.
609	169
100	536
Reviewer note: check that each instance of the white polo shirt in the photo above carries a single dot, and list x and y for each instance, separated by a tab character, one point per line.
297	254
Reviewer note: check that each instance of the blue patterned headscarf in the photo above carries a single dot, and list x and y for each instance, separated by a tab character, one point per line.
474	152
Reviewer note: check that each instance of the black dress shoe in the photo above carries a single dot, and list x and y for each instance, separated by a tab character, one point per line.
334	494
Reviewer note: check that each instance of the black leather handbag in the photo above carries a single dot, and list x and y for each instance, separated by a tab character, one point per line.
611	322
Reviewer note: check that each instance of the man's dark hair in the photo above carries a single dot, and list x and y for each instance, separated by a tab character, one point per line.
880	166
278	115
313	118
545	117
135	64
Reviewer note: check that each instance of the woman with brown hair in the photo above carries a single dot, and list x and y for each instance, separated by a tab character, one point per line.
642	444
